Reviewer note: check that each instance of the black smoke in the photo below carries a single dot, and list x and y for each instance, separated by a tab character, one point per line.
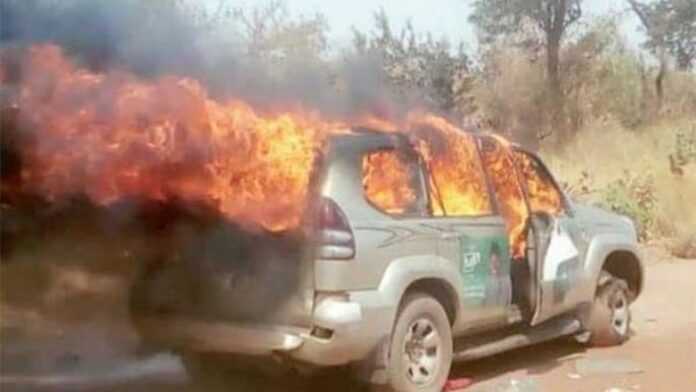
150	39
104	34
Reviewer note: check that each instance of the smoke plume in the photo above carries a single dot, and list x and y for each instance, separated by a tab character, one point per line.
150	39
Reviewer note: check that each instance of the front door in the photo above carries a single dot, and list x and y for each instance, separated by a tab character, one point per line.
557	260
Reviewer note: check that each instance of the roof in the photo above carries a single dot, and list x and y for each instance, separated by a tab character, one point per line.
359	139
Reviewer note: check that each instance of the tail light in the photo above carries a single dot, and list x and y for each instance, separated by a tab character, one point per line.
335	237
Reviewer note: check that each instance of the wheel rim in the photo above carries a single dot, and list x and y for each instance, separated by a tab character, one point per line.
620	313
422	351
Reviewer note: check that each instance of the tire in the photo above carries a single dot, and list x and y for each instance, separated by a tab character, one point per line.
420	351
609	322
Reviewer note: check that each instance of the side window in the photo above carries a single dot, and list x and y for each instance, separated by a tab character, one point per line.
508	191
542	192
392	182
457	179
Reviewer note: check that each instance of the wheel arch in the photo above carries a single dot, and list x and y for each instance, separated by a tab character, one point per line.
441	290
626	265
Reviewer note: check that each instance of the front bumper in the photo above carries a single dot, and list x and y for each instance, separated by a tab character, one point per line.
356	325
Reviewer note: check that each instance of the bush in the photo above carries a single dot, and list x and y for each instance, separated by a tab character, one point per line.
511	91
633	196
684	246
685	146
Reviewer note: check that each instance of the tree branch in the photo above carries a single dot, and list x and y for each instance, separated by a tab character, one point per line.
639	9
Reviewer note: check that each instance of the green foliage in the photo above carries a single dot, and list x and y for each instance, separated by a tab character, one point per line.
633	195
620	90
604	79
496	17
553	17
271	33
512	92
670	25
418	65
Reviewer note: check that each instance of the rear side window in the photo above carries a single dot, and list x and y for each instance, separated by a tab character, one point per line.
457	181
392	182
542	193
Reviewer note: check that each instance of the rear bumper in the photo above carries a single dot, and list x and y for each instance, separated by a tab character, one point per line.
355	325
358	325
219	336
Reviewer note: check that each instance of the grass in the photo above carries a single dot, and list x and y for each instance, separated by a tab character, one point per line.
605	154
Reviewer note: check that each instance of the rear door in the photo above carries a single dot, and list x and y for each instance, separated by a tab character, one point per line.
473	234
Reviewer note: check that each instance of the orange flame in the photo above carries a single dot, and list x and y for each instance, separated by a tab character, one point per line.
543	196
387	182
112	135
506	186
451	154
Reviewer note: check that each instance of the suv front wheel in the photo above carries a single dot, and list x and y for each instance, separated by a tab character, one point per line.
609	323
420	354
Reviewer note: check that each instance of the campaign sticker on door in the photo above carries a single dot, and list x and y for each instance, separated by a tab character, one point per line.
473	271
484	264
469	261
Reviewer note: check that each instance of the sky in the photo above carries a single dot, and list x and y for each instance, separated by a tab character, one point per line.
440	17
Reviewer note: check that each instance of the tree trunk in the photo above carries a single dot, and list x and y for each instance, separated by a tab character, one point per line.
556	103
659	79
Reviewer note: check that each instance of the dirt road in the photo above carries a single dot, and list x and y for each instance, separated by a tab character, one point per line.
661	356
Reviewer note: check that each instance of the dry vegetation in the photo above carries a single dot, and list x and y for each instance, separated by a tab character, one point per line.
629	171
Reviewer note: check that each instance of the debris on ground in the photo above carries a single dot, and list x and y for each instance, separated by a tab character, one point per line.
457	384
589	367
514	385
684	247
617	389
510	385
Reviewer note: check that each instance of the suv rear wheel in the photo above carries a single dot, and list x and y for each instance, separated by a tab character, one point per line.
420	354
609	323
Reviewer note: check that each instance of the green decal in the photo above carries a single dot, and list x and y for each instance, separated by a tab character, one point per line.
483	262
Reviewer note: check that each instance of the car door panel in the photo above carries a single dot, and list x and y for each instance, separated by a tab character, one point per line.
478	248
558	273
558	257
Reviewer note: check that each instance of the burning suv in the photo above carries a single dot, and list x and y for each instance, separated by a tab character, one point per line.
413	252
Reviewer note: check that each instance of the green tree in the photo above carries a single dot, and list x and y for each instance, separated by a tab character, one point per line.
271	33
671	29
670	25
553	17
419	65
